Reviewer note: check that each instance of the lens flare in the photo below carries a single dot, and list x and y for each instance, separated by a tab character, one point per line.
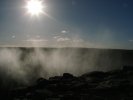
35	7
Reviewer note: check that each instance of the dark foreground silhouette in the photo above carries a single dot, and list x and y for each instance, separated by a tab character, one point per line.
113	85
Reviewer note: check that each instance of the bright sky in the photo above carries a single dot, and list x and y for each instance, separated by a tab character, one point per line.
83	23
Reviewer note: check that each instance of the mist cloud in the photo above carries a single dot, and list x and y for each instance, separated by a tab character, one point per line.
28	64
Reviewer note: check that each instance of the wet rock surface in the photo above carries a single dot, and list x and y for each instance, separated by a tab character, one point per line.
113	85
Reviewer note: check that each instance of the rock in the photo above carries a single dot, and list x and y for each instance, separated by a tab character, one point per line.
128	68
67	76
41	83
111	85
54	80
96	74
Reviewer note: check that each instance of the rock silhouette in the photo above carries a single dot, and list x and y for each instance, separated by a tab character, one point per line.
112	85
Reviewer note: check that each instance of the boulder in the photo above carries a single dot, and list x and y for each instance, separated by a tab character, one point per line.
67	76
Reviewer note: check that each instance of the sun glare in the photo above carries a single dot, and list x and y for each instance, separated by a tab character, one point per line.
35	7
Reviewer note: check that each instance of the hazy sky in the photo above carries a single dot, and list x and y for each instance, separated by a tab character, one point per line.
86	23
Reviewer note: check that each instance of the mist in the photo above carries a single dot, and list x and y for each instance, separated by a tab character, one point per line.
25	65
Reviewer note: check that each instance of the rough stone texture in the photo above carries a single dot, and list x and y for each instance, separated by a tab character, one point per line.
113	85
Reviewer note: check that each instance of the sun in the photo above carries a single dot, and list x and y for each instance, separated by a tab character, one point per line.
35	7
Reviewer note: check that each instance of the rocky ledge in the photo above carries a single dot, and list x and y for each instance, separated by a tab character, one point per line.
112	85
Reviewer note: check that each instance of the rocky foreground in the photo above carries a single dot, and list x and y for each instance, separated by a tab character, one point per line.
113	85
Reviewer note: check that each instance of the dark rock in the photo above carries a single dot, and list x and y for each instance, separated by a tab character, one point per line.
41	83
113	85
96	74
67	76
54	80
127	68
